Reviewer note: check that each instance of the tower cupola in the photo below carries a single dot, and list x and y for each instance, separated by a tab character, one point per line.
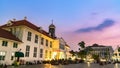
52	30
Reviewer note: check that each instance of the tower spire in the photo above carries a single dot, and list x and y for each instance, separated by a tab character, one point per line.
52	29
52	21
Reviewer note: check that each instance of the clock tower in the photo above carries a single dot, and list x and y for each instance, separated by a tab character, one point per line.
52	30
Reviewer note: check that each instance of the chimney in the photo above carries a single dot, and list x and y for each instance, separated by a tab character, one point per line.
14	19
25	18
40	29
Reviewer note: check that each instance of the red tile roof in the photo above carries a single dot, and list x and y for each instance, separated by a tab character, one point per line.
28	24
8	35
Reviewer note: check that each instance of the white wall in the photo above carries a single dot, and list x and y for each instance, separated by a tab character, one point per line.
8	50
31	43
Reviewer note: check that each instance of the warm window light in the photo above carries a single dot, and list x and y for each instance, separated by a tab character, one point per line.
54	55
2	53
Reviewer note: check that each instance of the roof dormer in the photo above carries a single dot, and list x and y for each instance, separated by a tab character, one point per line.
9	23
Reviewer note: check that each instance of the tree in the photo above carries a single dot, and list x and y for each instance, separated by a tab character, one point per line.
107	54
119	49
82	53
72	52
82	44
95	57
88	50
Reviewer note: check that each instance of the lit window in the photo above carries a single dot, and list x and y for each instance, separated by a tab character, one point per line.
2	55
46	52
50	55
46	42
12	55
50	44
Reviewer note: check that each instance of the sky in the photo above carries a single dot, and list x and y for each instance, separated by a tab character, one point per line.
91	21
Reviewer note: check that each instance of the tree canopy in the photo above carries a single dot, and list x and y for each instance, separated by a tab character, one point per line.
82	44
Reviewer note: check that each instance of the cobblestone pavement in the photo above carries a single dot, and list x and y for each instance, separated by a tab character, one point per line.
82	65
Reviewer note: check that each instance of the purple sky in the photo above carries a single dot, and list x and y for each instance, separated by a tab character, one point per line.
92	21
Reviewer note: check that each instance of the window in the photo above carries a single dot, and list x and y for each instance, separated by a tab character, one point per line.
11	30
36	38
46	42
12	55
50	44
46	53
2	55
4	43
29	36
35	52
119	49
61	46
41	53
115	54
15	45
50	55
27	51
42	41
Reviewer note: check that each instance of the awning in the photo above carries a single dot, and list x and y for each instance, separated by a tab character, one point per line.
19	54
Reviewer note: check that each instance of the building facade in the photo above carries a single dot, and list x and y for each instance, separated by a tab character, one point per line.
116	54
37	44
104	52
9	44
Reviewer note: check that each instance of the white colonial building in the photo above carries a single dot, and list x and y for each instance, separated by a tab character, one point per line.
37	44
104	52
9	44
116	54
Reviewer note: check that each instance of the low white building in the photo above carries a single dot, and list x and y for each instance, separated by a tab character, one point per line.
9	44
116	54
36	41
37	44
104	52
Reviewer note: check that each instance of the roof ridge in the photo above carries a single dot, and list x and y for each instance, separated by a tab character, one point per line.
25	22
28	24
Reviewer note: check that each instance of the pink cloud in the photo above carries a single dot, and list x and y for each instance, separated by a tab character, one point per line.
109	37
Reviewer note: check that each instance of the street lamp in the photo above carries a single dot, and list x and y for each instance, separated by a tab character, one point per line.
19	54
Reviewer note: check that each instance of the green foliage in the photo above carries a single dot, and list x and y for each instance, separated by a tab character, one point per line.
119	49
95	57
15	63
88	49
82	54
82	44
1	65
72	52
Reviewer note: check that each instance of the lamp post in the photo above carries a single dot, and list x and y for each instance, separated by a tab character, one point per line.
18	57
19	54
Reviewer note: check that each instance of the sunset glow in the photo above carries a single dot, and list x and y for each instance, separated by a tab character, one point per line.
92	21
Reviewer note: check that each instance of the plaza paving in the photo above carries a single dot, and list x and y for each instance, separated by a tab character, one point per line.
82	65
